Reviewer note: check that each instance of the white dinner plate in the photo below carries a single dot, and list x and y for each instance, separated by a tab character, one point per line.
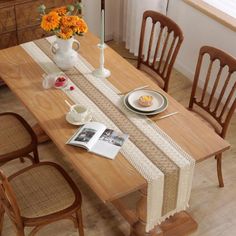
133	100
87	119
161	109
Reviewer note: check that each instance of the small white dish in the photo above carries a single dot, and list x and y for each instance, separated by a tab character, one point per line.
70	120
157	102
60	85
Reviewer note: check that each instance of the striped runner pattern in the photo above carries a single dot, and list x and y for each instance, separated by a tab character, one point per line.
166	167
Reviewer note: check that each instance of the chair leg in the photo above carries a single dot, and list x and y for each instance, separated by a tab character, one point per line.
20	232
36	229
36	156
219	170
80	222
1	218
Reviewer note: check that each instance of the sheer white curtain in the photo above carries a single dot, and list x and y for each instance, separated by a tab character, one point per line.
132	18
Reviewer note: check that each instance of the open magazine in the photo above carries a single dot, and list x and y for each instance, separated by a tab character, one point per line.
97	138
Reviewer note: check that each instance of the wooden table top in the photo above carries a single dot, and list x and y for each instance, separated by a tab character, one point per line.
109	179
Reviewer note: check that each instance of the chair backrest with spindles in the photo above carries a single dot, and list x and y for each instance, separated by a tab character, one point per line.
9	203
168	41
218	94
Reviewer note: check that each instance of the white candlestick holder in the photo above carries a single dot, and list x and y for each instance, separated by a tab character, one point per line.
101	72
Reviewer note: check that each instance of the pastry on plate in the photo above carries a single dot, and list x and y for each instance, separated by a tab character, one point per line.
145	101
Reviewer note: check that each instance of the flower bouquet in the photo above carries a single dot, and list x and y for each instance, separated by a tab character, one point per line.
65	22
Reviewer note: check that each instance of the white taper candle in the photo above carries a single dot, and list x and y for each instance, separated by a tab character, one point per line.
102	27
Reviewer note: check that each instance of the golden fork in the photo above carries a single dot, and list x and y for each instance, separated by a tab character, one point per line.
142	87
165	116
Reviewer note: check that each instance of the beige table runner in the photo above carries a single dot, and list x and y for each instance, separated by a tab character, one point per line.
166	167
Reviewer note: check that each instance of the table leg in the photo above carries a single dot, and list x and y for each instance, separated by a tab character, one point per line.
41	135
138	229
178	225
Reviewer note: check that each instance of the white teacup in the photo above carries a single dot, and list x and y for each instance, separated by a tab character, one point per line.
78	113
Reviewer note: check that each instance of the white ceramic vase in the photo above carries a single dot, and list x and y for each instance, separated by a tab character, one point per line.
64	55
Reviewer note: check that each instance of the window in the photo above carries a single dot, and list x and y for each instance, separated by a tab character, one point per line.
223	11
227	6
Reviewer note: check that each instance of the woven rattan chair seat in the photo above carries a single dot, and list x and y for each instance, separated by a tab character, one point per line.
42	191
13	135
209	124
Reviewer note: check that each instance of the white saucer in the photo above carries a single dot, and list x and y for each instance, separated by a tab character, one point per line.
88	118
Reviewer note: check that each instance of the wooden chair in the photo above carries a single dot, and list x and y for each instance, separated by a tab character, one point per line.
17	139
169	40
220	110
39	195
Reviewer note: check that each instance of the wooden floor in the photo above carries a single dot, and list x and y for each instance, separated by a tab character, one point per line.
213	208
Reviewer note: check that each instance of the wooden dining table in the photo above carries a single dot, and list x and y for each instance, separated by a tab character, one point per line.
110	180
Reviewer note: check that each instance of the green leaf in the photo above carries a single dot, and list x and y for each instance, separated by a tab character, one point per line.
78	5
70	8
41	9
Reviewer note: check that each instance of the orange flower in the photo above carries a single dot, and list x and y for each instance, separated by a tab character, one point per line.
68	21
65	33
81	26
50	21
63	23
61	11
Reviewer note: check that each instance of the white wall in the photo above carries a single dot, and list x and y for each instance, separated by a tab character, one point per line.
92	14
198	30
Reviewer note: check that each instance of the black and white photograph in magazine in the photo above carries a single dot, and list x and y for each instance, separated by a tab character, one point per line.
110	136
85	135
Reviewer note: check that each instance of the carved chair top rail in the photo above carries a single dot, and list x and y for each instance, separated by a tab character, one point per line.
220	107
165	44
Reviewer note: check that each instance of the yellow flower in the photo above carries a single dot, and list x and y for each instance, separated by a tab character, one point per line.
81	26
61	11
68	21
50	21
65	33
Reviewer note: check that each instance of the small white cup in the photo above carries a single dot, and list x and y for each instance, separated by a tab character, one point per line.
78	113
48	81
